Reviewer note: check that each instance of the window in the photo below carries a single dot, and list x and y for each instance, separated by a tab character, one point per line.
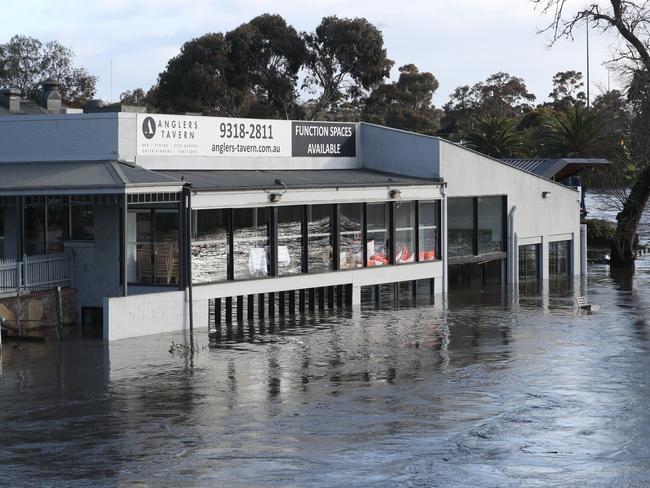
319	231
2	232
209	246
490	224
529	263
460	216
56	216
378	250
351	218
289	240
558	259
82	223
429	216
405	232
152	246
34	229
251	241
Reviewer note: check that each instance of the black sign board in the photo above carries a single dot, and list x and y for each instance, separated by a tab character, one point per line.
323	139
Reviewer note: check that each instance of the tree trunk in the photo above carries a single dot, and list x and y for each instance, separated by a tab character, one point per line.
623	247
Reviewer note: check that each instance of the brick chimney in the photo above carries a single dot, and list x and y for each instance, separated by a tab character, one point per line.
10	98
51	96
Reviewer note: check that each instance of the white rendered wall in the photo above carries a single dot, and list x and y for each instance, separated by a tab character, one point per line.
537	219
151	313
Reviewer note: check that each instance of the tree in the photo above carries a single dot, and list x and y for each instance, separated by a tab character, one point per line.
200	79
581	133
496	136
567	90
26	62
629	19
405	104
500	95
266	55
137	97
346	59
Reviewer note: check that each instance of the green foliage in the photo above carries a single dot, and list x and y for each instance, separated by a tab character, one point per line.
405	104
136	97
25	62
496	136
346	59
581	133
500	95
265	56
567	90
600	231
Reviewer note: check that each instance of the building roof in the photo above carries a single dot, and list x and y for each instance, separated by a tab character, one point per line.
80	177
558	169
264	179
27	107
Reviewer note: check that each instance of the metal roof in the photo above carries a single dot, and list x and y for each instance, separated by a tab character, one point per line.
263	179
555	168
77	177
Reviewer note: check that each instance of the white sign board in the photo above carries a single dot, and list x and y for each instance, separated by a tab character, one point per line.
182	135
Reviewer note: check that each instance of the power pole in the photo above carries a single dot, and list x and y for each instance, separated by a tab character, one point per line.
588	98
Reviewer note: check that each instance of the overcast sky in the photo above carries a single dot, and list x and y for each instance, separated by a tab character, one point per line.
459	41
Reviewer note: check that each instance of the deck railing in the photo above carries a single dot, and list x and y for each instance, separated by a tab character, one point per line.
34	273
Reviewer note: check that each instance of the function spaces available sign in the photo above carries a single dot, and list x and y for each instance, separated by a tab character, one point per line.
182	135
323	139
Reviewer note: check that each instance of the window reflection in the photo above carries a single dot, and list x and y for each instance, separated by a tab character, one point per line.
490	224
378	250
250	244
404	233
210	246
429	215
460	216
319	230
289	240
351	218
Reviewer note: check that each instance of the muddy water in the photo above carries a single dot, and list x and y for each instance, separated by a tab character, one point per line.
482	391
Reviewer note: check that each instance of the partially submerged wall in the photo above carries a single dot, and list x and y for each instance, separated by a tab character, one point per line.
151	313
37	310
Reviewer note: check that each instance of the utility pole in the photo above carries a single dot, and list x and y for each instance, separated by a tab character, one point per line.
588	98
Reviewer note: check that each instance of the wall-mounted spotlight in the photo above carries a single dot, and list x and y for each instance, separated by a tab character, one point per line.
394	193
275	197
546	194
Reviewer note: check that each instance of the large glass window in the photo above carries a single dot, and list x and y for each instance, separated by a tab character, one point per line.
460	222
251	241
405	232
209	246
558	259
152	246
490	224
319	230
529	263
351	218
429	216
377	237
289	240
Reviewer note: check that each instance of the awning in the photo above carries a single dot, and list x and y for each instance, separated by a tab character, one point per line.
558	169
225	180
79	178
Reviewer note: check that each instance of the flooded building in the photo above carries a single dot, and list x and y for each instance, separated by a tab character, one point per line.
145	214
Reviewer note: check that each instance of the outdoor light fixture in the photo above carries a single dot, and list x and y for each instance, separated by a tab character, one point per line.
546	194
395	193
275	197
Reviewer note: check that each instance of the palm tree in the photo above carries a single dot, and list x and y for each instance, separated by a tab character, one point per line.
581	133
495	136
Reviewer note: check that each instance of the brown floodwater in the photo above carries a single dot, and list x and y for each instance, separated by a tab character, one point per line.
484	390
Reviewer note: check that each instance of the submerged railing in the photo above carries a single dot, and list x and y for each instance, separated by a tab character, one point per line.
35	273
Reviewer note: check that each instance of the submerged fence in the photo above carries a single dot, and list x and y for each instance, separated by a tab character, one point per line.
34	273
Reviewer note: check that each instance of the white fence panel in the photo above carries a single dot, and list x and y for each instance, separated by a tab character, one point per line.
36	272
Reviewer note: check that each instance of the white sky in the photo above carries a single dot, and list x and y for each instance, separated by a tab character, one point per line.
459	41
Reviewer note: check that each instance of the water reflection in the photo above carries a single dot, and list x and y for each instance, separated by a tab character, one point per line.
483	389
